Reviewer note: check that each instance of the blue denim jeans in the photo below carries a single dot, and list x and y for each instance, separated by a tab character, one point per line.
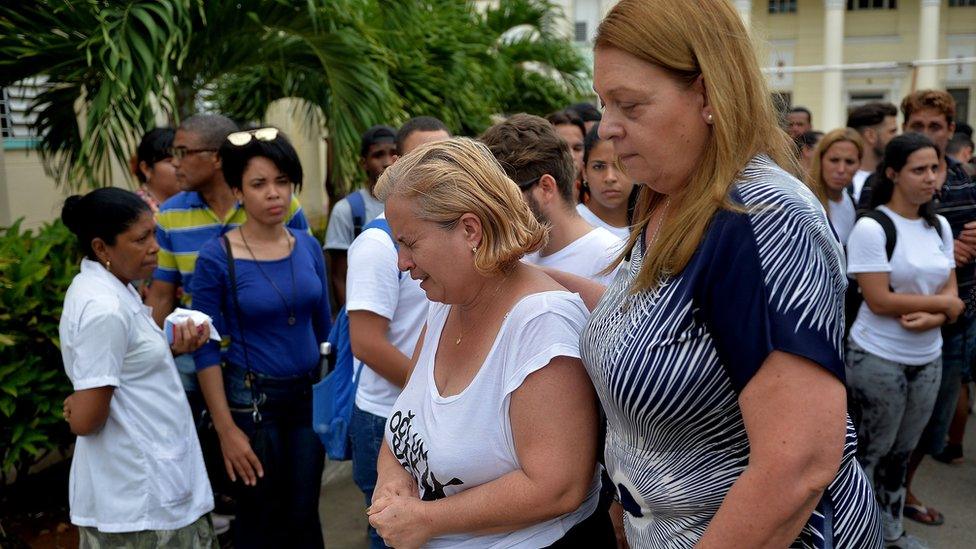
958	351
282	510
366	434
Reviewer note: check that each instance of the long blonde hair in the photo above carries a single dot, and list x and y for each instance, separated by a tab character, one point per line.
449	178
688	39
816	180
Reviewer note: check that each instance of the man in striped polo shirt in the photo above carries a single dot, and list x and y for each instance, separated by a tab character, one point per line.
204	209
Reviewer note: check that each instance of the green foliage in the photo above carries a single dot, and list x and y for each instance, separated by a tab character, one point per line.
35	271
355	63
116	57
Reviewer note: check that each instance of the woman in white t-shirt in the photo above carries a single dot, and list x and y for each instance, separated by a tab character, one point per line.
137	475
493	441
894	353
835	161
607	195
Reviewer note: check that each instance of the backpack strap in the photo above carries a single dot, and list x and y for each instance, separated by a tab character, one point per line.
849	189
384	225
891	235
358	207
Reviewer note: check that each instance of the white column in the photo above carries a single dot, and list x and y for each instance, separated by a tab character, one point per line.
745	11
928	44
831	115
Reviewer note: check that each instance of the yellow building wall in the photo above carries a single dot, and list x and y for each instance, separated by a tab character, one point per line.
869	36
26	191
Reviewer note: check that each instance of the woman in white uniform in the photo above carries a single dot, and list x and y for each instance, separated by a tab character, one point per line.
137	476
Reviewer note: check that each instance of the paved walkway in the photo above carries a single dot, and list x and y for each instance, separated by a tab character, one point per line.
950	488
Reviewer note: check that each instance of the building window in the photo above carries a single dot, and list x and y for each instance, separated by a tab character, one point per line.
857	98
962	3
5	129
15	119
782	6
579	31
961	95
853	5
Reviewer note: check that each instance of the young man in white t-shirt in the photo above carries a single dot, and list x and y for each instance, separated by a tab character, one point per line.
539	161
387	310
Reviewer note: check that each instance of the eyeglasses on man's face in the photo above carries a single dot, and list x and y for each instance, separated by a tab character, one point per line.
180	153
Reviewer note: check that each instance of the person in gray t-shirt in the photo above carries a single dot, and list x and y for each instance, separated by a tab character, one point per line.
349	215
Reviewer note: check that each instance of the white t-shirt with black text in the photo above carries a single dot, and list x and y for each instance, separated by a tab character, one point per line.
453	443
586	256
921	263
375	284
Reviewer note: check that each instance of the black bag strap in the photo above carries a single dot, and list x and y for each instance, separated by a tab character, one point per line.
888	225
891	235
249	377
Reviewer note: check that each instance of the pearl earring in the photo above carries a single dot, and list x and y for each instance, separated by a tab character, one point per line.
710	118
108	264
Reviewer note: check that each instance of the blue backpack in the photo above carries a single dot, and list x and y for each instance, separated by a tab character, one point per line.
334	396
357	206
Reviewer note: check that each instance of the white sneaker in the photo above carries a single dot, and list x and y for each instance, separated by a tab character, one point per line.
906	541
221	523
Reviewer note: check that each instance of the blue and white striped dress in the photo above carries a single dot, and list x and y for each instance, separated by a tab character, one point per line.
669	364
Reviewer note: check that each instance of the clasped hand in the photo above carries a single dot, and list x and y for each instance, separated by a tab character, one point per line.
399	516
921	321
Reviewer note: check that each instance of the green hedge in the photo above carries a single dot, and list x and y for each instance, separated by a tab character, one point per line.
36	268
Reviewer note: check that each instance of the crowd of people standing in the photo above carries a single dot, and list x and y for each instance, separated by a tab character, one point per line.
602	328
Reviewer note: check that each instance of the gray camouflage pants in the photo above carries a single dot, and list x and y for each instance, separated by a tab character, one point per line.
199	535
892	403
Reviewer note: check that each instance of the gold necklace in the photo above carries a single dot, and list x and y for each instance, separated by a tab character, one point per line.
461	311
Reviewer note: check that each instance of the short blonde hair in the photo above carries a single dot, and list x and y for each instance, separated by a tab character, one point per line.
840	135
449	178
690	39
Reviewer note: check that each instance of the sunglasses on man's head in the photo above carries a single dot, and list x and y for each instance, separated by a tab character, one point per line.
242	138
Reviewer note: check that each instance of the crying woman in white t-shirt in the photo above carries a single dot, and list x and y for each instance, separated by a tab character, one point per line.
493	440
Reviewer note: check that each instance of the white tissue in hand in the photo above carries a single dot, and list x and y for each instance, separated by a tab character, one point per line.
179	316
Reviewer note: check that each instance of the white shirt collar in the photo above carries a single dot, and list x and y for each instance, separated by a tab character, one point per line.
127	293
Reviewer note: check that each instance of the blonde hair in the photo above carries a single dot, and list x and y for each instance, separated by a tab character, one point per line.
840	135
690	39
449	178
